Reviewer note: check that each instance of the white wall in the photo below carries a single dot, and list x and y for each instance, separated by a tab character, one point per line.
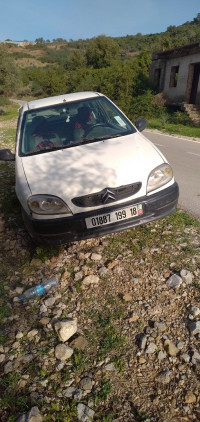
178	93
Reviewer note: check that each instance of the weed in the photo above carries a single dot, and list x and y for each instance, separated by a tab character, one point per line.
62	412
47	252
110	341
80	360
104	390
119	364
78	285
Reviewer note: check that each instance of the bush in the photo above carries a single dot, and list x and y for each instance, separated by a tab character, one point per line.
4	101
142	106
179	117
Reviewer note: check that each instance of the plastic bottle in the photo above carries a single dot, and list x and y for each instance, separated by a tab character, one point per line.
39	290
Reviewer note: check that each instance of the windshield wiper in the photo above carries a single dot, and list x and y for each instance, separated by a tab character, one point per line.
101	138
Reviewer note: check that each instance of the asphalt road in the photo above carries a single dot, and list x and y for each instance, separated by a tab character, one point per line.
184	156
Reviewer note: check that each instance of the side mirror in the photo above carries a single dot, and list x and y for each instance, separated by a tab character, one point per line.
6	155
141	124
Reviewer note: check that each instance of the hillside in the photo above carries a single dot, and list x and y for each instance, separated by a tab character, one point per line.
57	51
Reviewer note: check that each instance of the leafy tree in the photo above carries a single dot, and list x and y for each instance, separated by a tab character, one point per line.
40	40
76	60
9	74
102	52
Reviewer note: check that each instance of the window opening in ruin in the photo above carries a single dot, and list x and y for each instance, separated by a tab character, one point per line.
174	76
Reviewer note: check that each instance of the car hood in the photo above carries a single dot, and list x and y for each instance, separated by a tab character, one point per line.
89	168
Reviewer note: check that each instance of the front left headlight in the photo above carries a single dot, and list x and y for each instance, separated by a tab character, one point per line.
159	177
47	204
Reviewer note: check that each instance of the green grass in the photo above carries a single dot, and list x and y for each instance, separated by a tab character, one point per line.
179	129
8	137
11	111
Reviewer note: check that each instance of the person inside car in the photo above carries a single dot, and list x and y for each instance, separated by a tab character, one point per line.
82	123
41	137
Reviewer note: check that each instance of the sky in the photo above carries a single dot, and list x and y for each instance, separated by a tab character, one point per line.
74	19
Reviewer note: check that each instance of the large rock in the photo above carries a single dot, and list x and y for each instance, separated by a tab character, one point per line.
32	416
65	329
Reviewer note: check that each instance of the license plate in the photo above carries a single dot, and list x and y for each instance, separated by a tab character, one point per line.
114	216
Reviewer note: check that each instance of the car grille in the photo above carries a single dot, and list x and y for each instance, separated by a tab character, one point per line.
107	195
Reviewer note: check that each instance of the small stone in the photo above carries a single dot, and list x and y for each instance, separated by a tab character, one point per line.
185	357
19	335
90	279
127	297
196	358
134	318
142	360
110	367
194	327
79	343
161	355
85	414
142	341
161	326
50	301
96	257
195	311
32	416
32	333
186	276
43	309
78	394
44	321
180	345
174	281
69	392
78	276
190	397
171	349
86	384
164	377
151	348
103	271
8	367
63	352
112	264
2	357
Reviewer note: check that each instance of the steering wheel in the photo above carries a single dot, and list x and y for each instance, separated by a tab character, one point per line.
94	126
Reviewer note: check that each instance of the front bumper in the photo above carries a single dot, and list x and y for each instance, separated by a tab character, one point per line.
73	228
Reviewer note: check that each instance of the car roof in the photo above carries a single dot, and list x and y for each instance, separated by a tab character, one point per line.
44	102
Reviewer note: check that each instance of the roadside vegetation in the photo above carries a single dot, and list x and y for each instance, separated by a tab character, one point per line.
117	67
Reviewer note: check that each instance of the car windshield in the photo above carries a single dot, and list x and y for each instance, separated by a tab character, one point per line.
71	124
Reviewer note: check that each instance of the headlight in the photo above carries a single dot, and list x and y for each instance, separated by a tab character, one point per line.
159	177
47	204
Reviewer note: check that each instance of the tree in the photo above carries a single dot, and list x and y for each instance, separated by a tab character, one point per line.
40	40
9	74
102	52
76	60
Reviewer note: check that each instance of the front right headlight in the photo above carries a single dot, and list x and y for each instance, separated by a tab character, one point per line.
159	177
47	205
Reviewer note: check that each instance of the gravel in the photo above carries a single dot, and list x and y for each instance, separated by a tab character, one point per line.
117	340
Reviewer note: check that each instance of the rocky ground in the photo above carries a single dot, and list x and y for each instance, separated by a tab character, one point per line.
117	340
